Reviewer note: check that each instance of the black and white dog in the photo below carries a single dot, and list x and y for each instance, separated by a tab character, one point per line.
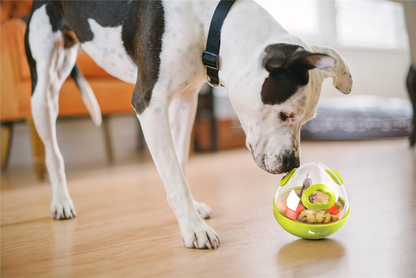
273	79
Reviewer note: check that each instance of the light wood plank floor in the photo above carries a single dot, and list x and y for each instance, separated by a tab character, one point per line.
126	229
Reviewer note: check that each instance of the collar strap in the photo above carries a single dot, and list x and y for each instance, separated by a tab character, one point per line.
210	57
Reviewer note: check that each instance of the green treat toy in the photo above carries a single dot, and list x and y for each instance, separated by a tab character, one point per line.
311	201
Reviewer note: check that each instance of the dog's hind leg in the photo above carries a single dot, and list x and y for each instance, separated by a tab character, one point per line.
51	60
182	115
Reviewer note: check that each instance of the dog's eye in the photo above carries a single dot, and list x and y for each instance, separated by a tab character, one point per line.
283	116
286	117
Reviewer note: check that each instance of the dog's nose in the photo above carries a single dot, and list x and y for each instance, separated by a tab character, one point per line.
289	162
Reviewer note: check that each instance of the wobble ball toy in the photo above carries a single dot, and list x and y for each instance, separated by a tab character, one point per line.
311	201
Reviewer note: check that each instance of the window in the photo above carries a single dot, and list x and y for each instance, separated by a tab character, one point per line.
350	23
285	11
370	23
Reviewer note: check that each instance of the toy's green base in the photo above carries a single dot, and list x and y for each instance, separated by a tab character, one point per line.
308	231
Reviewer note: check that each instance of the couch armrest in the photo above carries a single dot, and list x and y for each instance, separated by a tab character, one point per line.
15	81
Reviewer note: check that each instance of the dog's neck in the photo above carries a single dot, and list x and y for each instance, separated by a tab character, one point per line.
246	19
246	32
235	48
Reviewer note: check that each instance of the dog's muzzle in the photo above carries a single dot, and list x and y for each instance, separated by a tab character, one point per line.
277	164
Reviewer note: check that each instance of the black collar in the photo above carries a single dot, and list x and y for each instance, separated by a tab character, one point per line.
210	57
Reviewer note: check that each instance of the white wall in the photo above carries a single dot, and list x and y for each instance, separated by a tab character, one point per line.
375	72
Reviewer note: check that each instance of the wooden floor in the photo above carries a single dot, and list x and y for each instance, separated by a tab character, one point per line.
126	229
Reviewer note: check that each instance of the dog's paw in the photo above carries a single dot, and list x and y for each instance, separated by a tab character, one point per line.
63	208
204	210
200	236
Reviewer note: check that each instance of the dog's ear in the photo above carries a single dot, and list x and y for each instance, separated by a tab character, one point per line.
288	66
340	73
283	56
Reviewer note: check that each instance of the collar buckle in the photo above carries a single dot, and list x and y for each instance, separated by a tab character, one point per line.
210	60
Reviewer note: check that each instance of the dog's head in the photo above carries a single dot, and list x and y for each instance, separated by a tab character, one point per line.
277	94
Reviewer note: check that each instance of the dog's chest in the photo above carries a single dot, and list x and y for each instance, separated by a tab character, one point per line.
107	50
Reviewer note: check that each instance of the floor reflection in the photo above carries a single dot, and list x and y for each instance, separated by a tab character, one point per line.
306	258
63	231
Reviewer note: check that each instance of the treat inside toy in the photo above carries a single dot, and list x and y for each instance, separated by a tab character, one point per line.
297	211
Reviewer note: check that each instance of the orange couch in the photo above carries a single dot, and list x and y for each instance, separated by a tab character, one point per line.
112	94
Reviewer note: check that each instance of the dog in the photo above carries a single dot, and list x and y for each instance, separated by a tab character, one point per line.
273	79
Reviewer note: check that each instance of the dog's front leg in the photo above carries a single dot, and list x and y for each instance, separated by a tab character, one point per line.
182	115
156	127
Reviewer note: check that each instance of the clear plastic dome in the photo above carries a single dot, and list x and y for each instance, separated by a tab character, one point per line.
314	197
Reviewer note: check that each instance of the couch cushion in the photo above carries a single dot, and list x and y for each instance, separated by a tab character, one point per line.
88	67
113	97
